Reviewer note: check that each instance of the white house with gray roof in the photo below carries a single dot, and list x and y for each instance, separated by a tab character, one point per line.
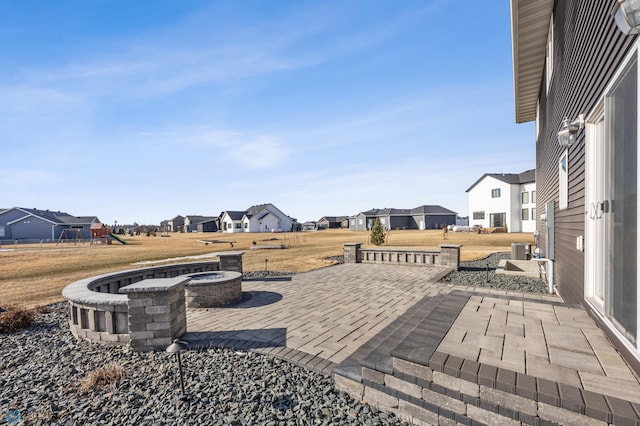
259	218
499	200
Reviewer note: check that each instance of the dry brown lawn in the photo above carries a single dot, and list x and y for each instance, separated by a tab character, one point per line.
35	275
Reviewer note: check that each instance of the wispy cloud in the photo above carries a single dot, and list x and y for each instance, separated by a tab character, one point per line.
253	151
24	177
148	65
20	99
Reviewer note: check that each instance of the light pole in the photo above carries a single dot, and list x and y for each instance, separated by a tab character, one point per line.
175	348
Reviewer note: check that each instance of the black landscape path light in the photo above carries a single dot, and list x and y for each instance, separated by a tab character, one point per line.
175	348
266	262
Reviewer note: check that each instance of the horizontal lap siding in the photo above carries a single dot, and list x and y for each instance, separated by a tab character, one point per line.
588	49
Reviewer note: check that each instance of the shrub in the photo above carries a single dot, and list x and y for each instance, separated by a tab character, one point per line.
377	233
16	318
102	377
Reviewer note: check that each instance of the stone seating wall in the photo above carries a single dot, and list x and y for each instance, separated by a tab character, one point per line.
99	313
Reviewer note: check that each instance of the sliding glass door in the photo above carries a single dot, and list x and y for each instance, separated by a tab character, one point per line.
611	261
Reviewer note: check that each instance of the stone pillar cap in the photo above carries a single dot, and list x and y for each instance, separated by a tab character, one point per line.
154	284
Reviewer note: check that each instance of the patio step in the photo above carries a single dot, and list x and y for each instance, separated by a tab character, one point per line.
400	370
401	335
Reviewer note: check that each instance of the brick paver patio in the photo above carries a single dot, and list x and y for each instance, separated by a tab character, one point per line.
327	313
321	318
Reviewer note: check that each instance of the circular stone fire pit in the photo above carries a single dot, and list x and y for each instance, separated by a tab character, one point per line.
213	289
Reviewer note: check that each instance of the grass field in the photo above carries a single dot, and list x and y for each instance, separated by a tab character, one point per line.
34	275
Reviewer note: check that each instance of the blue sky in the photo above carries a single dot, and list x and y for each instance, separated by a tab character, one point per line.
140	111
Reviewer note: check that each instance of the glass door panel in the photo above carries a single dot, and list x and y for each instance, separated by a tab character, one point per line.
621	203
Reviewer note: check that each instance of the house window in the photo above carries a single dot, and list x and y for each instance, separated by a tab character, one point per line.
495	193
238	225
533	213
229	225
525	198
478	215
383	220
563	180
246	225
525	214
360	221
2	234
533	197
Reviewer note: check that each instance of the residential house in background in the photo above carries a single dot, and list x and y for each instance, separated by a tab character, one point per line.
195	223
173	225
20	223
576	75
332	222
462	220
259	218
422	217
504	200
309	226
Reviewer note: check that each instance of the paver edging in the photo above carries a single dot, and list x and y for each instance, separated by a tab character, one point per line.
546	392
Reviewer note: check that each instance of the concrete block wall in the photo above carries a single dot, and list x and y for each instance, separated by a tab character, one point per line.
106	323
448	256
98	313
421	395
216	292
231	261
351	252
157	312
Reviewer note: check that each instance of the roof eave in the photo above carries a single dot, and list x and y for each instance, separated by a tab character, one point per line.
529	31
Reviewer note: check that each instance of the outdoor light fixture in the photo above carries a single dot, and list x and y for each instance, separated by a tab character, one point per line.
175	348
568	130
627	16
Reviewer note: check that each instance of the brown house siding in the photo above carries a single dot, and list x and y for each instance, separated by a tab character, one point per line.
588	48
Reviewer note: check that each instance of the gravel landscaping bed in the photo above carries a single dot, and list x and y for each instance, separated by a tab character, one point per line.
475	274
41	369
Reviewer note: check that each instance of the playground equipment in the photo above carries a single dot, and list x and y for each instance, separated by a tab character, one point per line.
99	232
115	237
65	237
100	235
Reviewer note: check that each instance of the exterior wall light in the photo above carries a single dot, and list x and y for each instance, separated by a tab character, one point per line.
568	130
627	16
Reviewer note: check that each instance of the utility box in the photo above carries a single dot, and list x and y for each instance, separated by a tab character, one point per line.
520	251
